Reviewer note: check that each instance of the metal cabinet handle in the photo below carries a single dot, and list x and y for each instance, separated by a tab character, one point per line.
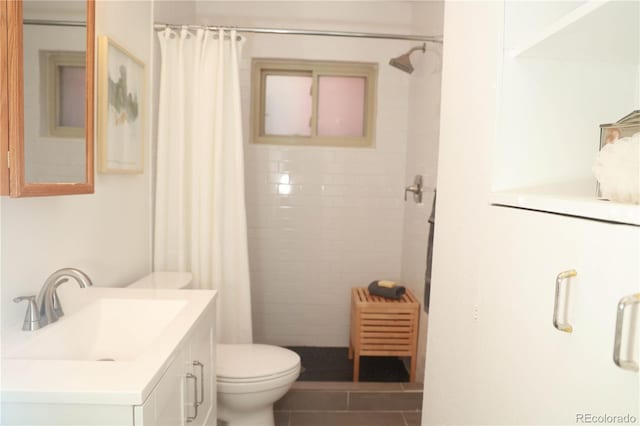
624	303
201	365
195	395
562	277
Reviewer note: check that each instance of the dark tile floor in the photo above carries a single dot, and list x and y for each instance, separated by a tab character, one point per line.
333	365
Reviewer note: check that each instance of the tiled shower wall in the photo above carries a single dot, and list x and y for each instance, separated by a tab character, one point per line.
338	222
340	227
422	156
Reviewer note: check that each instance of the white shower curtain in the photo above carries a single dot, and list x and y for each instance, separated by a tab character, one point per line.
200	216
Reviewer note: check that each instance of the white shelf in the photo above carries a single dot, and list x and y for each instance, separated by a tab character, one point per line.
566	70
597	30
569	198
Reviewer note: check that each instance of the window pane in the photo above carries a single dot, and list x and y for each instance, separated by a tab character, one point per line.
72	91
341	103
287	105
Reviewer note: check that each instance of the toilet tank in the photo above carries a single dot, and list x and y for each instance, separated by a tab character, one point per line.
164	280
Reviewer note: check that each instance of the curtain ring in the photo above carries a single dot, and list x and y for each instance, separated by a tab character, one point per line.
168	32
185	30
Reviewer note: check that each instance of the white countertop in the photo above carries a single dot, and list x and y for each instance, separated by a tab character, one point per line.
94	382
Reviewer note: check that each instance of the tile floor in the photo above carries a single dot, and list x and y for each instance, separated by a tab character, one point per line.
324	395
332	418
350	404
332	364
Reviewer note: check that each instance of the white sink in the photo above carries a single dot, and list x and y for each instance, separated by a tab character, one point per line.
137	330
105	330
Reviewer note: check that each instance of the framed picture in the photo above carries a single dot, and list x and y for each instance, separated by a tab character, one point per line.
121	106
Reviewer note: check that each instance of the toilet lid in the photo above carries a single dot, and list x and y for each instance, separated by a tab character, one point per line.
253	361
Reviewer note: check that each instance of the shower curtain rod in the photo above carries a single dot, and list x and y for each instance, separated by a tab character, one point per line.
433	39
54	23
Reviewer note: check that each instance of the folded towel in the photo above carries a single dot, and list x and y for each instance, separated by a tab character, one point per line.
392	293
386	284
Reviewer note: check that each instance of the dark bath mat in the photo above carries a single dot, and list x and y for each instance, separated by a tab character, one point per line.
328	364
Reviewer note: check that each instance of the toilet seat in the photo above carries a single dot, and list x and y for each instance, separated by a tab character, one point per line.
293	370
254	363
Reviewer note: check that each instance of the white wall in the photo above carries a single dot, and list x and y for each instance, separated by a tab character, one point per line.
341	225
106	234
174	11
379	16
423	126
463	211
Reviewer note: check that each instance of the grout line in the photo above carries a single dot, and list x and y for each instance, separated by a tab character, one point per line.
359	387
349	411
406	423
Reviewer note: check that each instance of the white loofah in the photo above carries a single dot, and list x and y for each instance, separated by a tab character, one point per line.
617	169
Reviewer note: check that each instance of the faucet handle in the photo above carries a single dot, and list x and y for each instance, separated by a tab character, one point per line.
32	317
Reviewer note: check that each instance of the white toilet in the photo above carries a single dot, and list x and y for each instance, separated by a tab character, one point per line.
250	379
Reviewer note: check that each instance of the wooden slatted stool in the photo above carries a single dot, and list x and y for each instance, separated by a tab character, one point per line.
383	327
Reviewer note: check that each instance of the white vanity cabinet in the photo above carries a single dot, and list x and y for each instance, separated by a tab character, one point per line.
186	393
202	350
162	370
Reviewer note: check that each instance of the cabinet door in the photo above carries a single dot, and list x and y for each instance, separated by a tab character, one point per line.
607	259
164	405
201	364
529	371
4	101
172	401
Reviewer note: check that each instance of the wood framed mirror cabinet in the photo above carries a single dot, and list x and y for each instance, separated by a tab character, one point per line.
46	97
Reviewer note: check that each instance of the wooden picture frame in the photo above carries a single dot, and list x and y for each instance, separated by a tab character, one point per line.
121	109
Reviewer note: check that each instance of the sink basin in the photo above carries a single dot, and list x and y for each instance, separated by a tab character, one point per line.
111	347
105	330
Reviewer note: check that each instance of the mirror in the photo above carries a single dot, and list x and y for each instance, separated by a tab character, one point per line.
51	100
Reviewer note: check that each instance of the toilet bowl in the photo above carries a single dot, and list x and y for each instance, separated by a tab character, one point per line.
250	379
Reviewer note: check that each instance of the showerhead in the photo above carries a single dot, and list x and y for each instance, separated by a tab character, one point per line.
403	62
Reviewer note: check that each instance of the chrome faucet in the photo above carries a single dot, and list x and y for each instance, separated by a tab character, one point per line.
47	302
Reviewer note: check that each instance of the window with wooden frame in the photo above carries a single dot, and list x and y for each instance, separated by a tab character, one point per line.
64	79
322	103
